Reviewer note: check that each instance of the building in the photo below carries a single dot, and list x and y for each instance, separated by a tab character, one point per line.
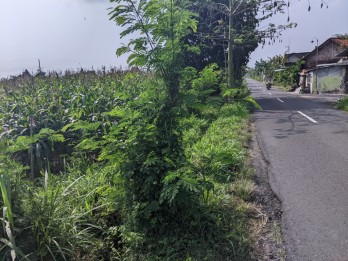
326	67
292	58
326	53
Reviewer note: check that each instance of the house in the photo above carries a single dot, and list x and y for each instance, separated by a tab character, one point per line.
343	55
292	58
330	77
326	68
326	53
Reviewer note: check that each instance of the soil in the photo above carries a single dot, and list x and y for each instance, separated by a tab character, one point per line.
268	239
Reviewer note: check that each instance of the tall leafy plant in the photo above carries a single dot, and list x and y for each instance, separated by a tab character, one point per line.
162	24
153	166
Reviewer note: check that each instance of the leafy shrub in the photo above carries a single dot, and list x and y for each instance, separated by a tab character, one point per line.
343	104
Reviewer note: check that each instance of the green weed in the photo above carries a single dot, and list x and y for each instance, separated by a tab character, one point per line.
343	104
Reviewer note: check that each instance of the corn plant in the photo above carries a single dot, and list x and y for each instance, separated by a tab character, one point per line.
51	103
7	220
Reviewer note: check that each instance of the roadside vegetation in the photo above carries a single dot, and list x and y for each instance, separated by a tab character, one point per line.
104	187
146	164
342	104
275	70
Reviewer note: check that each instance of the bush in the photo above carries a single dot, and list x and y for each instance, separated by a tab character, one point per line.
343	104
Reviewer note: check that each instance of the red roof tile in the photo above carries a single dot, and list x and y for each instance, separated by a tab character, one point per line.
341	41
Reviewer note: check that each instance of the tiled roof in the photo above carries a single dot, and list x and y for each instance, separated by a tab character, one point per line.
296	54
337	40
343	54
340	41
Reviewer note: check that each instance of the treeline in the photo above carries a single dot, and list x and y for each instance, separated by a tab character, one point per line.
274	70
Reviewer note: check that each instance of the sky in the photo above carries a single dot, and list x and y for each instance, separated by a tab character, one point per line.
63	34
318	23
70	34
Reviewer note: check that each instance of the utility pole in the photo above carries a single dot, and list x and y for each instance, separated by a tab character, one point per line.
316	70
230	12
316	66
39	66
230	46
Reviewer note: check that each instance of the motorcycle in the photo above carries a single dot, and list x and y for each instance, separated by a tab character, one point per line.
268	85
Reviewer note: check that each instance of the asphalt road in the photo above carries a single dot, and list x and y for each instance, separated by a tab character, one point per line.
305	142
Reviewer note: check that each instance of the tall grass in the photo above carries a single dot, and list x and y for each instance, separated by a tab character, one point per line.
8	236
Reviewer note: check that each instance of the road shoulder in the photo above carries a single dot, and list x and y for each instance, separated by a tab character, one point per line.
269	243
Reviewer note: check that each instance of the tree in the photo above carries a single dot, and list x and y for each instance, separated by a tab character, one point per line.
160	26
231	26
212	37
264	70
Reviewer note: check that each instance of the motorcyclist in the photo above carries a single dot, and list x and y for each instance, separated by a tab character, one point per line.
268	84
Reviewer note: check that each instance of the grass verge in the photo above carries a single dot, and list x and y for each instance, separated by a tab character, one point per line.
343	104
221	154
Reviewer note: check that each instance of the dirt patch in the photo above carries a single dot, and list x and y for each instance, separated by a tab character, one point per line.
267	230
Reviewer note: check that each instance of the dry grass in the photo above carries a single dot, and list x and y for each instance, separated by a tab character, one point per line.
243	189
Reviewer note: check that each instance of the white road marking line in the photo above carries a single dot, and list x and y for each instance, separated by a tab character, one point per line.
309	118
279	100
269	93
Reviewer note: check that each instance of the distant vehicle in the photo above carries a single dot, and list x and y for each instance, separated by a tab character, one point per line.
268	85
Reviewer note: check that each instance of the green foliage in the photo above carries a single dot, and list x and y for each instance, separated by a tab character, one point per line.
161	24
342	36
343	104
127	191
265	70
9	178
25	142
133	166
290	75
218	154
6	198
51	103
274	70
129	166
158	178
63	216
207	82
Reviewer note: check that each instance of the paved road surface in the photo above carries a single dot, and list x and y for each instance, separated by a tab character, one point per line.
305	142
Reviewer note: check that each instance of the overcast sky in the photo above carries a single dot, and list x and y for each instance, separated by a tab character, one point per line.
77	33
